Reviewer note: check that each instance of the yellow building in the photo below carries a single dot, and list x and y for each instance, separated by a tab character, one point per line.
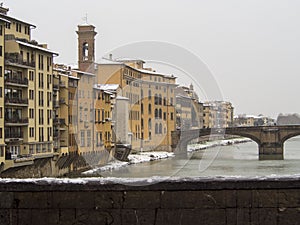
104	102
151	101
217	114
27	91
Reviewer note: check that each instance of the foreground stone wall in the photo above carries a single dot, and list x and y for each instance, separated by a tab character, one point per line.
175	202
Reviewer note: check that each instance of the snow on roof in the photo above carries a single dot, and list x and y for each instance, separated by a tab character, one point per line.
105	61
127	59
107	87
36	47
121	98
13	18
85	73
72	77
4	20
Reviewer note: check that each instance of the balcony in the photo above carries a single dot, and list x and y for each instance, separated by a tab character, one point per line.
13	136
55	86
62	84
62	101
17	101
20	82
55	104
15	58
16	121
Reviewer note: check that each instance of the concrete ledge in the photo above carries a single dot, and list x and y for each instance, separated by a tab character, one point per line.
156	201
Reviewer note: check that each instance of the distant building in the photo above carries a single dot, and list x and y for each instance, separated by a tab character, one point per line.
217	114
189	111
250	120
288	119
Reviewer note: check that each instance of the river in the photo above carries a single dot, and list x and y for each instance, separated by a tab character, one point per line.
234	160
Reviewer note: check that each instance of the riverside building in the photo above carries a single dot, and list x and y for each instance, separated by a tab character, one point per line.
26	84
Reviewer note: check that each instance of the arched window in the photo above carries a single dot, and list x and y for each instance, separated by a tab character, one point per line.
142	123
149	94
160	128
156	114
142	108
160	114
165	101
156	99
149	124
149	109
85	51
156	129
160	99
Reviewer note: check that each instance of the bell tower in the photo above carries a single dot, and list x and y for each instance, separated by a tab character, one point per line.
86	47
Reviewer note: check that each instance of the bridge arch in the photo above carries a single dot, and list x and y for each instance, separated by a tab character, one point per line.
289	136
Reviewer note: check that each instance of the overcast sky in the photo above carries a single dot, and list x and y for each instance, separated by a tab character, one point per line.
251	46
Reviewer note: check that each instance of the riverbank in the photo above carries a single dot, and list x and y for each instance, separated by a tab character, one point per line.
211	144
142	157
133	159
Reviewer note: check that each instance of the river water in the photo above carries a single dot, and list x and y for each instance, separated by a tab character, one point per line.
234	160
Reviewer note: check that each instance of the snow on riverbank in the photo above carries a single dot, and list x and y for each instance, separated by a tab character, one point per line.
210	144
133	159
151	156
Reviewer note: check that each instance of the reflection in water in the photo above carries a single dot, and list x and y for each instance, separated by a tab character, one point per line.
234	160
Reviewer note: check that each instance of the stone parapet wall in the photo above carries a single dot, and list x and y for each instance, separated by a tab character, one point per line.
91	201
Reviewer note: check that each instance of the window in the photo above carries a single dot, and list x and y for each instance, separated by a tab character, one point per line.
41	98
149	124
82	144
31	75
1	112
172	116
1	92
149	109
142	108
1	30
31	132
31	94
31	113
156	114
41	80
41	116
1	49
149	95
41	62
7	25
89	138
160	128
156	129
165	116
41	134
160	113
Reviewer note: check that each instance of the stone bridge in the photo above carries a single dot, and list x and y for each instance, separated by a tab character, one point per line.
270	139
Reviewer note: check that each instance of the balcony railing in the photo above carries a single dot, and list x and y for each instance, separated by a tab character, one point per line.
55	104
62	101
17	59
62	83
15	100
17	135
22	81
16	120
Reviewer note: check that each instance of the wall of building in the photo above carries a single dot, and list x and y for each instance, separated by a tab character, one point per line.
202	201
